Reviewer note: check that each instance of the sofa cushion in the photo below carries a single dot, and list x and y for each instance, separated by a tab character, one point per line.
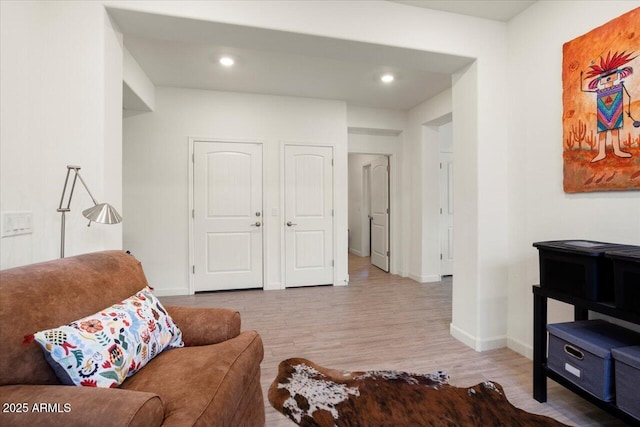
203	385
103	349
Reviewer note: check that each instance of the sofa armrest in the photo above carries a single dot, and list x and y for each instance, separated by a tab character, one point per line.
70	406
204	326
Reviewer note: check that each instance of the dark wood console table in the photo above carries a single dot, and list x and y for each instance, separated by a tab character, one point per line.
581	312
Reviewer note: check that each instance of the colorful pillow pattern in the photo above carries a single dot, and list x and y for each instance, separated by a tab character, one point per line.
103	349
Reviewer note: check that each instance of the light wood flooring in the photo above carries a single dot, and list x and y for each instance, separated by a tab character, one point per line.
383	321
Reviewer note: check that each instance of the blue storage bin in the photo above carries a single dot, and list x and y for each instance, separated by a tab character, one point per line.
581	352
627	367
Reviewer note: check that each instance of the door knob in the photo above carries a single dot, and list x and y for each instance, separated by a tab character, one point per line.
257	224
289	224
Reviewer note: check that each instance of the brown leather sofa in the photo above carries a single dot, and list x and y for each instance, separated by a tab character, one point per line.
213	381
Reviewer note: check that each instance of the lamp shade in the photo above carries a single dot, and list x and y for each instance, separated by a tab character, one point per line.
102	213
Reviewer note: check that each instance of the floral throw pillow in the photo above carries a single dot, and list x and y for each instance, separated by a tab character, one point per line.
103	349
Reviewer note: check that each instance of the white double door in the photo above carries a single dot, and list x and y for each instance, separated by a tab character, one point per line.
228	220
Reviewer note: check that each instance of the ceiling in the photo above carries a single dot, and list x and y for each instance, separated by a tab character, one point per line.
497	10
181	52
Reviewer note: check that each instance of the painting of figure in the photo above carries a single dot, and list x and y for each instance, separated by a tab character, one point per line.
601	107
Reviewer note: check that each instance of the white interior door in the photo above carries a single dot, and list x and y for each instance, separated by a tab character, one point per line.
227	217
366	211
446	214
380	213
308	205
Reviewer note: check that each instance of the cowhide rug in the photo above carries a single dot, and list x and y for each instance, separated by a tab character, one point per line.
311	395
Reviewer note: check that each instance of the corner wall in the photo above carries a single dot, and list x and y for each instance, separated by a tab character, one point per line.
539	210
60	105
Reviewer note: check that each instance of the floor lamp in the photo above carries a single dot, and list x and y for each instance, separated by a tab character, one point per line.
102	213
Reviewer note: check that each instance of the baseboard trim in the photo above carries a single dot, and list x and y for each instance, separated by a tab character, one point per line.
462	336
355	252
492	343
424	279
519	347
478	344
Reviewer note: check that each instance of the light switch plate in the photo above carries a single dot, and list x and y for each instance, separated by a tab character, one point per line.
16	223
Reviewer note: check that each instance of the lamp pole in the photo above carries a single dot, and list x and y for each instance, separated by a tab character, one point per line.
103	213
64	210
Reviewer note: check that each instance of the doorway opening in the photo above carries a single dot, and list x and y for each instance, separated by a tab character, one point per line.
438	182
445	145
369	208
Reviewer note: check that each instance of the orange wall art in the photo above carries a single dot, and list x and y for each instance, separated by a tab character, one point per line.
601	107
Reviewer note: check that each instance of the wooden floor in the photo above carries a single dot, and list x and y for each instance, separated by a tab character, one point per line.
383	321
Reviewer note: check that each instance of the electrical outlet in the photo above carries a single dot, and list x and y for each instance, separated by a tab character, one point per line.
16	223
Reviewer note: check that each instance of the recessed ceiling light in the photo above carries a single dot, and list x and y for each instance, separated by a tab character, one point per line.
387	78
227	61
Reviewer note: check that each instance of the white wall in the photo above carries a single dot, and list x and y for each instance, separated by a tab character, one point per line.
111	191
156	171
538	208
376	118
139	90
60	104
445	138
423	140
